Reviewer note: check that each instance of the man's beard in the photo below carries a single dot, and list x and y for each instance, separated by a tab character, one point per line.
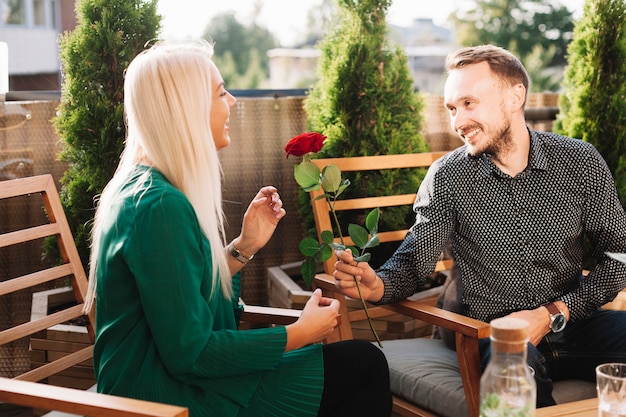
499	144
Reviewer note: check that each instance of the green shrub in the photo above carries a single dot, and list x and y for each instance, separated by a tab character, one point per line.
365	104
593	105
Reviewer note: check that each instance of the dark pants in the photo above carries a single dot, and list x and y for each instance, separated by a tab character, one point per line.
356	381
575	352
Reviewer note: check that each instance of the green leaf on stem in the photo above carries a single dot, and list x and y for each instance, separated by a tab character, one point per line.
327	237
372	242
363	258
324	253
309	246
307	175
331	178
344	184
371	221
358	234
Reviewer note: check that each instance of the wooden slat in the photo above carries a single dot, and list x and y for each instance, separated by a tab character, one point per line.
57	366
74	401
26	329
26	235
35	278
377	162
380	201
25	186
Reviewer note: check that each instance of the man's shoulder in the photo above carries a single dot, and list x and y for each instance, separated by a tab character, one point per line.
560	142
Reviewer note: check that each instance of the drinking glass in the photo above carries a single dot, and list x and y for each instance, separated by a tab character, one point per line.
611	385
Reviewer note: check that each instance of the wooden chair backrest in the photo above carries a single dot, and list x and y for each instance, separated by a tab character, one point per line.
71	269
321	212
27	389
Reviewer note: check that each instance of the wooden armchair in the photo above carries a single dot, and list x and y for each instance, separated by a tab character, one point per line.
25	235
427	378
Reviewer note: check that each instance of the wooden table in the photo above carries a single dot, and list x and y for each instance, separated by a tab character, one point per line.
584	408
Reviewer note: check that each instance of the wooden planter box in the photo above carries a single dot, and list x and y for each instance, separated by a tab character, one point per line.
59	341
284	292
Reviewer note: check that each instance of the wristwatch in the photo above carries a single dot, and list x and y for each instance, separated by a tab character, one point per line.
234	252
557	318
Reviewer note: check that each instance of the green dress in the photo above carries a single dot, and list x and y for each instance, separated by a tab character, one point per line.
160	337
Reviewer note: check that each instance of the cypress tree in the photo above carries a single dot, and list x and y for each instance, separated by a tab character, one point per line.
364	103
90	121
593	105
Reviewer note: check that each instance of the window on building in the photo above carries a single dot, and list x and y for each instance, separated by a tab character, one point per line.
39	12
29	13
13	12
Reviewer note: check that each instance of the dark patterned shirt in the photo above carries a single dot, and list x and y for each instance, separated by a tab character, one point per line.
518	242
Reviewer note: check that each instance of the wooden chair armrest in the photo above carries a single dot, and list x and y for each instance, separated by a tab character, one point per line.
69	400
423	311
269	315
443	318
325	281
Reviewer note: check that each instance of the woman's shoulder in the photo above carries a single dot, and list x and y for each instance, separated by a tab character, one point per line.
148	192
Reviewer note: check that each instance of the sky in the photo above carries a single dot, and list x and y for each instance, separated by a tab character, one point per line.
286	19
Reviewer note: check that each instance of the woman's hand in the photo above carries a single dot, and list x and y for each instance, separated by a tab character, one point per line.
260	221
319	318
346	269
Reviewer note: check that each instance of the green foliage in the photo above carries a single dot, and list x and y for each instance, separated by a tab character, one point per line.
240	51
90	121
537	31
593	106
364	103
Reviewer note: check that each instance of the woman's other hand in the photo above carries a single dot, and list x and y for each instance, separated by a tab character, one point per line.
319	318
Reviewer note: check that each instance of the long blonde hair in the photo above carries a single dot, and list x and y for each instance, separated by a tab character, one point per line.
167	103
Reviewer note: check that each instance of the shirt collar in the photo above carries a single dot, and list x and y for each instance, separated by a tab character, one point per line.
537	159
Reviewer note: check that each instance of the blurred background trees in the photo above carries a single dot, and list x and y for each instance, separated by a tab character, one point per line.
537	31
240	50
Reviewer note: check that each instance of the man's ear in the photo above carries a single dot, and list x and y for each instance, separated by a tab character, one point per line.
518	96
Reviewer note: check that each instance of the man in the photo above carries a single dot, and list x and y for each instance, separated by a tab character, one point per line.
516	206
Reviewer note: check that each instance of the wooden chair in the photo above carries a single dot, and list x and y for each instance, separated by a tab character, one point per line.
29	388
427	378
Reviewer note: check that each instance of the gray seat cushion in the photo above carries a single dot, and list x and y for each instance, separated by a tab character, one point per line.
426	372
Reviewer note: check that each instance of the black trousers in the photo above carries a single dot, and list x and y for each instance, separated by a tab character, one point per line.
356	381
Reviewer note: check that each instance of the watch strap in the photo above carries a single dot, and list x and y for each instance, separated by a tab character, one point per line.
234	252
552	308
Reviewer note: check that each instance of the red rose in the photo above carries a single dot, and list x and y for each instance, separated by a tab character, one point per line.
305	143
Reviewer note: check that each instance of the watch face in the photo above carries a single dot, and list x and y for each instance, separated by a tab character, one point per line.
558	323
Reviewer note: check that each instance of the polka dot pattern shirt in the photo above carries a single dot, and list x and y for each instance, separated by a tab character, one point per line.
518	242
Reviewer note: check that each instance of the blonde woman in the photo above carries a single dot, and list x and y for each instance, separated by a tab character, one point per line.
166	285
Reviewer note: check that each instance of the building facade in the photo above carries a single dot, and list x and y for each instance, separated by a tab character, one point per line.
31	29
